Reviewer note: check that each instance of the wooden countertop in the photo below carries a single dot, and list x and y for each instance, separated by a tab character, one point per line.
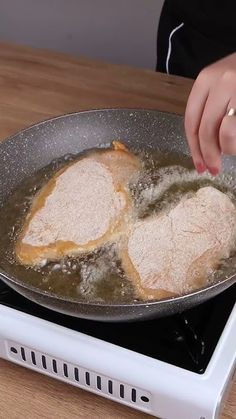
36	85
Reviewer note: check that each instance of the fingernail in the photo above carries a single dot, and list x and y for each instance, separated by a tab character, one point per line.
200	167
214	171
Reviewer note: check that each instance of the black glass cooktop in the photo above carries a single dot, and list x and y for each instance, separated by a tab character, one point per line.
186	340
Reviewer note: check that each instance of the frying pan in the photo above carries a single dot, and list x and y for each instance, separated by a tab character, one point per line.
35	147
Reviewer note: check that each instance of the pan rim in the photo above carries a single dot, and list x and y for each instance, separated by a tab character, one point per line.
10	278
86	111
6	278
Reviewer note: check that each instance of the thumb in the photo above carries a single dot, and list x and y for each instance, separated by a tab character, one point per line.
227	135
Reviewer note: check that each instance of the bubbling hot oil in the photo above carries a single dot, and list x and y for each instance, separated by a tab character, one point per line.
98	276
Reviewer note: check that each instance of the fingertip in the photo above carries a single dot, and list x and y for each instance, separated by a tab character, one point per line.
214	171
200	167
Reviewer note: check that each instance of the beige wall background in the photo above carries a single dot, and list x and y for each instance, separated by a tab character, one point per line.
118	31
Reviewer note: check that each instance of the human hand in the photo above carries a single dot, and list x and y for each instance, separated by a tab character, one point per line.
209	130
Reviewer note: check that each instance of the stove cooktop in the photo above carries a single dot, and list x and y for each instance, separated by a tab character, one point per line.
186	340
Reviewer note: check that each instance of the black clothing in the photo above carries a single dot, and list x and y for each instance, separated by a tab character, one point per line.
193	34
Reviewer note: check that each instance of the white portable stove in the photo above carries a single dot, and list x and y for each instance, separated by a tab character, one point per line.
175	368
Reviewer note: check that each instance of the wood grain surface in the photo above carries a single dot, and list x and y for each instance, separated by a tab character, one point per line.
35	85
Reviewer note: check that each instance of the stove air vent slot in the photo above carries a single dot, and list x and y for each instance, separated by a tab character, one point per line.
79	376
